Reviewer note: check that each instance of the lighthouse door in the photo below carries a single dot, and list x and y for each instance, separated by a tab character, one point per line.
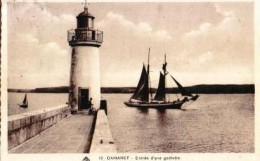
83	98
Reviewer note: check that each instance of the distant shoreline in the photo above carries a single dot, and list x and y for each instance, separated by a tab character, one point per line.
200	89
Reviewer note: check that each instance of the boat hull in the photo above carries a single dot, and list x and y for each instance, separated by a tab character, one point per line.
23	105
170	105
194	98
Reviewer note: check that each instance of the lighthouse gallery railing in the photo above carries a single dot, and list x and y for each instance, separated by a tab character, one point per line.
85	35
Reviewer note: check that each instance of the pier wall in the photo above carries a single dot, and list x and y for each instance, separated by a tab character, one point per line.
102	141
24	126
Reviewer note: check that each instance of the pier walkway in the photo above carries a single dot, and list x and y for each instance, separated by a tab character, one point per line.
71	135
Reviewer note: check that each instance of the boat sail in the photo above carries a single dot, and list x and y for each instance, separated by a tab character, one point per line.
185	92
142	92
160	93
141	97
25	102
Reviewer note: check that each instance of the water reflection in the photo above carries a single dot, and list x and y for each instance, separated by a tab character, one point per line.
161	110
143	110
161	113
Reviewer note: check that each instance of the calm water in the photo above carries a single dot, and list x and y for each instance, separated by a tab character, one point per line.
35	101
214	123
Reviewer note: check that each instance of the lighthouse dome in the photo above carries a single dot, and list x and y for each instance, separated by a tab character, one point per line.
85	19
85	34
85	13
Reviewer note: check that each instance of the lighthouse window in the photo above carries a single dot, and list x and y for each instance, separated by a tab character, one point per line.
91	23
89	34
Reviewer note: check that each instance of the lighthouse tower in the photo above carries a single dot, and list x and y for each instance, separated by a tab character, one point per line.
85	41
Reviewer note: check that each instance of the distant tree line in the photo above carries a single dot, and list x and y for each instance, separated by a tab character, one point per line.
204	88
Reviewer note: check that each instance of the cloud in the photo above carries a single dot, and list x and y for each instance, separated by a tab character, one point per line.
35	18
228	37
68	18
229	21
141	29
195	60
37	53
53	47
203	29
162	34
206	57
27	37
228	27
223	12
220	39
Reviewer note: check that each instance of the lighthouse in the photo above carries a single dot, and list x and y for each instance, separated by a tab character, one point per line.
85	40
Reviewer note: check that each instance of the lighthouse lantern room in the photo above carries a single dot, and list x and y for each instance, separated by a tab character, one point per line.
85	40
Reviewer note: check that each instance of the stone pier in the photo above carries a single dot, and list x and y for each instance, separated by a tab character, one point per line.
56	131
71	135
102	141
22	127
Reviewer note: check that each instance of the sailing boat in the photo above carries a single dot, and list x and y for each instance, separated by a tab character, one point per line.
185	92
142	96
25	102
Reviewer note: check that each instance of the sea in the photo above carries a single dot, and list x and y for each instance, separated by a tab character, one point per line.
215	123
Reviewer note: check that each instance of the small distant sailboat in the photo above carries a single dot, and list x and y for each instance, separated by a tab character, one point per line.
142	96
25	102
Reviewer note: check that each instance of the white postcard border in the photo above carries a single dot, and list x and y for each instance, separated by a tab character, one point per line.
79	157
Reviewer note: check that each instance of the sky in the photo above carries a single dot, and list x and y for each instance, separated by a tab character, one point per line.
205	43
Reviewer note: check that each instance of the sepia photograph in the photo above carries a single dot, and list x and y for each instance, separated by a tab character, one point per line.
90	77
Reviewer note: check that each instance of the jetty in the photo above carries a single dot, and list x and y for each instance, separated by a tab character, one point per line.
55	130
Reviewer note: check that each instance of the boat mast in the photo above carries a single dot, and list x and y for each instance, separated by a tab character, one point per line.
148	73
164	67
164	73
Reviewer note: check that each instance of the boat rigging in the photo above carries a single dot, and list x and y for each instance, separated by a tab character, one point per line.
142	96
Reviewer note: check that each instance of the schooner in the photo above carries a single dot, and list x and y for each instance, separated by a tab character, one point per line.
142	96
